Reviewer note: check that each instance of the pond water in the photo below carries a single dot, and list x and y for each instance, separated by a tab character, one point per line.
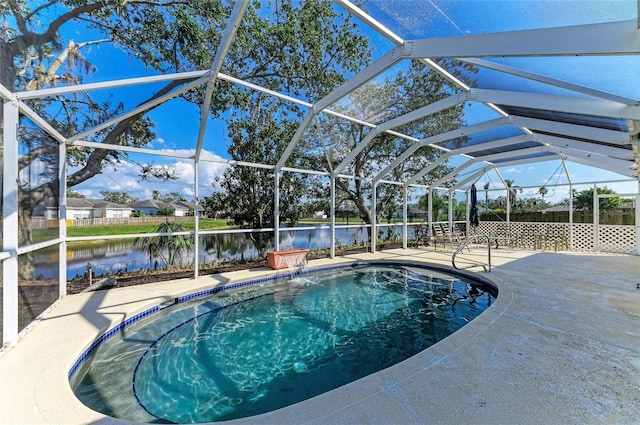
116	256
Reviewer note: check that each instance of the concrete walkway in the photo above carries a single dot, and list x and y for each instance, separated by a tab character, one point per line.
561	345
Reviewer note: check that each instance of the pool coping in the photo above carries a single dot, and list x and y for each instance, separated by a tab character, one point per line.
39	391
120	327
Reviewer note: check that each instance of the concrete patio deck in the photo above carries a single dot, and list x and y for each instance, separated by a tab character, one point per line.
561	345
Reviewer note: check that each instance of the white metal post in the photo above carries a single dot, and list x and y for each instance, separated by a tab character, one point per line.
508	204
10	225
404	217
332	213
62	220
450	214
196	219
571	217
566	171
596	219
430	210
374	230
637	207
276	210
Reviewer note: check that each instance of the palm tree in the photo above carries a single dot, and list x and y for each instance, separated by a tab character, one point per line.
438	204
513	190
174	245
543	191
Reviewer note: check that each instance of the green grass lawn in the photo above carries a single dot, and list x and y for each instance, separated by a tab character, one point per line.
129	229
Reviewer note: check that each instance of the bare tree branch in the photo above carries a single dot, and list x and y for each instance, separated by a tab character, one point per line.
50	76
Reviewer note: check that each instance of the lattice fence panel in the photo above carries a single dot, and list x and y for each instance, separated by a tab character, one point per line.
582	238
617	239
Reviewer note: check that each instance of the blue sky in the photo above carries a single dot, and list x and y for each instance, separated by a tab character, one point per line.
177	121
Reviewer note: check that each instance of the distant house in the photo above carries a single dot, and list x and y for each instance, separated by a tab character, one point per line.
191	206
78	208
412	212
556	208
152	206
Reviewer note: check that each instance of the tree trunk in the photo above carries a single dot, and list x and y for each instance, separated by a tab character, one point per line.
26	268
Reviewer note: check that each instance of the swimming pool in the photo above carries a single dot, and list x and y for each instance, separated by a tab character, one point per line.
248	351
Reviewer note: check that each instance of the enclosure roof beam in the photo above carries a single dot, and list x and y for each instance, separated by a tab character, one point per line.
480	146
452	174
618	33
394	38
575	130
466	131
233	24
625	154
570	104
370	72
419	113
41	122
522	161
549	102
5	93
474	176
442	137
233	80
609	38
512	153
551	81
619	166
133	149
105	85
493	144
442	158
488	158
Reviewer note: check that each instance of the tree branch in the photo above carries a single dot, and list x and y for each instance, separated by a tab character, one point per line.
22	23
50	76
94	162
33	154
39	8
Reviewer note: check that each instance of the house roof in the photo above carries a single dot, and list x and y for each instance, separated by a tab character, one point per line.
109	205
83	203
154	203
556	208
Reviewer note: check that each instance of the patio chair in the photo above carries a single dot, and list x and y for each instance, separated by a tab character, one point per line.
422	236
459	234
452	235
439	235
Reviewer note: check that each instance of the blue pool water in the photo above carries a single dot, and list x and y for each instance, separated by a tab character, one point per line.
246	352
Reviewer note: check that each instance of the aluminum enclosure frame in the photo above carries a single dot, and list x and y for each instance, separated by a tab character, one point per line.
558	139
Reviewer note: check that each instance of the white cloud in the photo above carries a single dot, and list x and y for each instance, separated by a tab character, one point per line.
125	176
184	171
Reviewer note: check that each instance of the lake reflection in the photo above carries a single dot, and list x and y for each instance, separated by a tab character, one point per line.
121	256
